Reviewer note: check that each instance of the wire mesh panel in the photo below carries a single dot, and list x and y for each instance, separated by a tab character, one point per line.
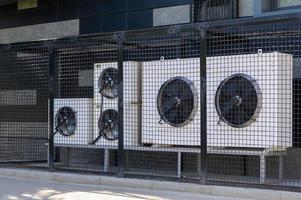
24	105
161	92
86	104
252	103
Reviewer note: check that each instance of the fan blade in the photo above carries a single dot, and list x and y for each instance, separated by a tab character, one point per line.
115	118
106	90
169	105
109	72
185	110
188	98
115	90
173	114
71	121
111	133
173	89
249	95
71	129
112	74
228	105
229	89
105	74
107	116
114	130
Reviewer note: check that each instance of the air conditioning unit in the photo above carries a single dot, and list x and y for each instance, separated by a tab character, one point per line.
249	100
72	121
171	102
105	111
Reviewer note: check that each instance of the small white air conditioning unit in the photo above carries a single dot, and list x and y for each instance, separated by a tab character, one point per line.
73	122
249	100
105	108
171	102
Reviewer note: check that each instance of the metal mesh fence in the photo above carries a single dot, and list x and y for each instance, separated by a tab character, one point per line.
211	101
162	104
252	93
24	104
81	99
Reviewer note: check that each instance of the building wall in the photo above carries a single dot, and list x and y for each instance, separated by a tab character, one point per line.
94	16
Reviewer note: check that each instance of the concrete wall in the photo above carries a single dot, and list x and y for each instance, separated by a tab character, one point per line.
171	15
40	31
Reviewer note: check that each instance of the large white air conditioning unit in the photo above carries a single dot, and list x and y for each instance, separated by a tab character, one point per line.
73	122
249	100
105	111
171	102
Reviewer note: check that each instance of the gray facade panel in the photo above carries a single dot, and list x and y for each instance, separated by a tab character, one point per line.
171	15
40	31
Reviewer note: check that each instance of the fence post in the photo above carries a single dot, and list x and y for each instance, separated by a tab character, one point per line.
203	53
51	85
120	38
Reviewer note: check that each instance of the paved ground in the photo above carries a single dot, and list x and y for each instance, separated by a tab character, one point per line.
17	189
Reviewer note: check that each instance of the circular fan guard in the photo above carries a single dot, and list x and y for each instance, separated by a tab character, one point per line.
177	101
108	124
108	83
65	121
238	100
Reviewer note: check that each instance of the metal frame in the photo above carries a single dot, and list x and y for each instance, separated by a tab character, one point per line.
52	61
203	75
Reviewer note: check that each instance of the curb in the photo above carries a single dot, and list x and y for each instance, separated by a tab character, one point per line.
222	191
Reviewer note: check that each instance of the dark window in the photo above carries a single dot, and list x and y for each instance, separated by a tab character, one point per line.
214	10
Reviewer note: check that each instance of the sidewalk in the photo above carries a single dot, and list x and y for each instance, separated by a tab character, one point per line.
21	189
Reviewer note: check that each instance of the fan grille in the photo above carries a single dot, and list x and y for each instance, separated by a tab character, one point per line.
238	100
108	124
108	83
177	101
65	121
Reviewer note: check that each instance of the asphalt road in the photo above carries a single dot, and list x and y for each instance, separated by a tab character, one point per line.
17	189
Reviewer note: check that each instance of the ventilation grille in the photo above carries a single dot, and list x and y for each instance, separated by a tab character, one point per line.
214	10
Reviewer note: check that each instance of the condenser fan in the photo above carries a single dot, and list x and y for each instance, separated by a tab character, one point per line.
108	83
108	125
177	101
65	121
238	100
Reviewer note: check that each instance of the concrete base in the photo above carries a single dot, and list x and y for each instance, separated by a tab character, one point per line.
221	191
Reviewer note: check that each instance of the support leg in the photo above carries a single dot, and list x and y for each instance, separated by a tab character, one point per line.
262	169
65	156
106	160
198	164
179	164
126	154
280	169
